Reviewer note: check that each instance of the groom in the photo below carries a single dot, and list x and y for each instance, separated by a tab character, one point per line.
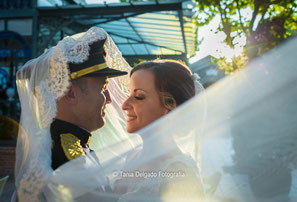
81	109
63	95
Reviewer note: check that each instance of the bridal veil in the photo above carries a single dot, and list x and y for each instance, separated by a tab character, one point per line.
241	132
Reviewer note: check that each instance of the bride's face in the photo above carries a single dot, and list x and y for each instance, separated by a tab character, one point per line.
143	106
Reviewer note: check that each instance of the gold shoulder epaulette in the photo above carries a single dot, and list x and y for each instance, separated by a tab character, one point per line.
71	146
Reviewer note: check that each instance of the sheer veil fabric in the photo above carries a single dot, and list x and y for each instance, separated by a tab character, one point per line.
40	83
243	142
246	151
240	135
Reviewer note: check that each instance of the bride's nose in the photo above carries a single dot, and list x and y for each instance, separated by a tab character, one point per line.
126	105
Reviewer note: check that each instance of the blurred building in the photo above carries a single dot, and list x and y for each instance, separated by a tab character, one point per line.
208	70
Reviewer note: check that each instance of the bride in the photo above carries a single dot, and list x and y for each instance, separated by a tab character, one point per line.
156	88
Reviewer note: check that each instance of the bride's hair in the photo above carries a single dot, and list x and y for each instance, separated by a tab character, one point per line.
172	80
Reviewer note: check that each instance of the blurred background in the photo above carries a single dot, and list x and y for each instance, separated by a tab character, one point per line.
215	38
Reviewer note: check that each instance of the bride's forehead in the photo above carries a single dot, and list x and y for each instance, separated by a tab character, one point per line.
142	77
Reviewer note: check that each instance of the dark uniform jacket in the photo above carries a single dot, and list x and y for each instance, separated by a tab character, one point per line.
68	142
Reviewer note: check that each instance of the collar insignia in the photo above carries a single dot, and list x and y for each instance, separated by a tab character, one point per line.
71	146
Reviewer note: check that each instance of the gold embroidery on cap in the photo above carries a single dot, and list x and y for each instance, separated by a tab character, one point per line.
71	146
77	74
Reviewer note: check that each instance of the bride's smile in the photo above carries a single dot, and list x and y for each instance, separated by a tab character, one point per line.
143	106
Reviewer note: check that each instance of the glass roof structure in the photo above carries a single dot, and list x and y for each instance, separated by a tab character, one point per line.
141	29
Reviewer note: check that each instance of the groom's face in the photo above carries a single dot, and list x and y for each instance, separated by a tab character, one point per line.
92	101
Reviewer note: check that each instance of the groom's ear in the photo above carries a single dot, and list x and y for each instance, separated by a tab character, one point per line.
71	97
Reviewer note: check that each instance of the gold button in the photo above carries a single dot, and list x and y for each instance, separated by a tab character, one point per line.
74	75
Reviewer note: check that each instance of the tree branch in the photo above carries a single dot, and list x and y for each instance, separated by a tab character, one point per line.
240	18
221	12
255	13
264	12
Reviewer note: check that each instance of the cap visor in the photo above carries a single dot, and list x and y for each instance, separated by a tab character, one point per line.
108	72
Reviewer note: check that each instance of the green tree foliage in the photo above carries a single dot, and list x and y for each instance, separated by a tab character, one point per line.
271	22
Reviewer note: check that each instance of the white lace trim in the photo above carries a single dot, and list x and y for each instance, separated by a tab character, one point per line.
46	103
31	183
59	79
79	47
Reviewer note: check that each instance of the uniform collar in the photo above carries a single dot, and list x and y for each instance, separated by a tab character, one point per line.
66	127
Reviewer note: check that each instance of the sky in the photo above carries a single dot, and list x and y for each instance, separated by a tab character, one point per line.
212	43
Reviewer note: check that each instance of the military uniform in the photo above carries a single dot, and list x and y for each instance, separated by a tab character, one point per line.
69	142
